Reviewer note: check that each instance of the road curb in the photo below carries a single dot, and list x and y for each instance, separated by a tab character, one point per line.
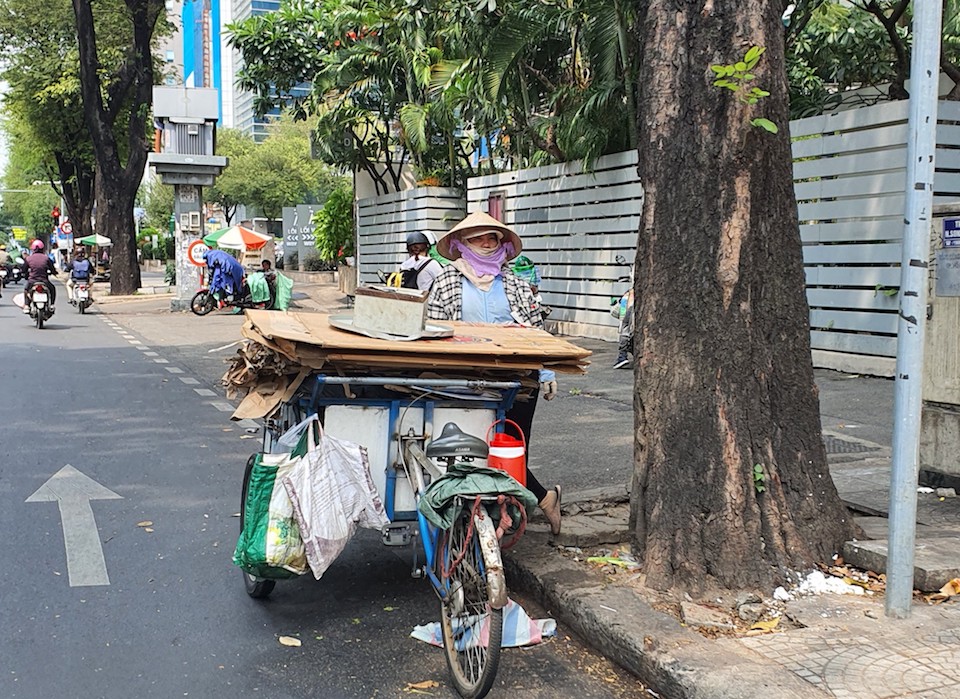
674	661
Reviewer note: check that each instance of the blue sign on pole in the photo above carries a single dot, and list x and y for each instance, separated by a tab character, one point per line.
951	233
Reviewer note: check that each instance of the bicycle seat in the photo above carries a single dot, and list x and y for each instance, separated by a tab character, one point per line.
455	442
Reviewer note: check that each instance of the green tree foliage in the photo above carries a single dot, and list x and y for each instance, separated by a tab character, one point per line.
435	82
838	51
235	145
29	204
157	201
43	98
333	224
275	173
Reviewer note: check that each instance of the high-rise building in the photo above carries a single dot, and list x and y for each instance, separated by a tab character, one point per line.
208	60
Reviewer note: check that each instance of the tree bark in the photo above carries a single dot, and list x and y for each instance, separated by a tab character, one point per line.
129	96
724	380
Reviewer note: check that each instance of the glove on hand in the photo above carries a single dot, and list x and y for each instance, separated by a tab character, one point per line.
549	390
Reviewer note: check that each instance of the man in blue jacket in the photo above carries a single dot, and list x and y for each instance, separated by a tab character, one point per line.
80	270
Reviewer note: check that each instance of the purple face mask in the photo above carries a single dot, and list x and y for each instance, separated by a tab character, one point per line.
484	265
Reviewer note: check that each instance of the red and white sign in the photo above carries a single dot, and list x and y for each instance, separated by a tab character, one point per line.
195	252
66	228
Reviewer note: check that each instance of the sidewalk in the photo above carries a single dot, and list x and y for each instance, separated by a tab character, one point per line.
838	646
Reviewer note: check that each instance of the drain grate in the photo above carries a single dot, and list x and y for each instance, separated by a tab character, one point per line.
835	445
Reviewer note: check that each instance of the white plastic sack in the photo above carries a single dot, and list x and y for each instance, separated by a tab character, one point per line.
332	494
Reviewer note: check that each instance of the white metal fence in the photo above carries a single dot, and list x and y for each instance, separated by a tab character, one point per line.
849	171
383	223
573	225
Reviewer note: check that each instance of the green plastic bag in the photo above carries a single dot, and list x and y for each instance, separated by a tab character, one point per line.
270	545
259	289
284	292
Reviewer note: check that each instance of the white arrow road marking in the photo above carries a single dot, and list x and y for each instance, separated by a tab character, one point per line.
73	492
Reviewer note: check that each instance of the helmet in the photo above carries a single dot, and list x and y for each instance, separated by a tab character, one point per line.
417	237
36	245
522	264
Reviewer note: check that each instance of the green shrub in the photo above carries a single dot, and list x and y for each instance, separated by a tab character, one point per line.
333	224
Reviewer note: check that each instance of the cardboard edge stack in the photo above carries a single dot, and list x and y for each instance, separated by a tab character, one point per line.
283	349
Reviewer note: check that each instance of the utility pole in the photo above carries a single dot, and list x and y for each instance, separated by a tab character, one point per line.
188	117
914	273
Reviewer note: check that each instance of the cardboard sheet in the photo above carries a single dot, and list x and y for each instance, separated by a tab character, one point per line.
469	339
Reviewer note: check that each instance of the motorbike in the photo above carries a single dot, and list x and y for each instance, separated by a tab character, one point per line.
41	310
3	277
205	301
81	296
16	273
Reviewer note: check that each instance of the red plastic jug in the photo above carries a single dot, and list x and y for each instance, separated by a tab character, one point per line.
508	453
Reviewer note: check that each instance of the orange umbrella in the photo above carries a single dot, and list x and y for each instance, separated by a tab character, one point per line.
237	238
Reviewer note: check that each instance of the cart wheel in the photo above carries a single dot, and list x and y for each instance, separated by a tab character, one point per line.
472	665
257	588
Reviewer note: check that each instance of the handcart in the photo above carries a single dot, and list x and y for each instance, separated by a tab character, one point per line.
414	430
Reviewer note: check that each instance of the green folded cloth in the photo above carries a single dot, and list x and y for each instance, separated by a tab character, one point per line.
467	480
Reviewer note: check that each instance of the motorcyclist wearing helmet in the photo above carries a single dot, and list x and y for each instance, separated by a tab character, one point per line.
37	269
419	269
81	270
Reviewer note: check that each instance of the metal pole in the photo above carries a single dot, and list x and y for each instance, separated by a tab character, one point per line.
921	147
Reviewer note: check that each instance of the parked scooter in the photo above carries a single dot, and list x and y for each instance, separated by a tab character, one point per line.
205	301
41	309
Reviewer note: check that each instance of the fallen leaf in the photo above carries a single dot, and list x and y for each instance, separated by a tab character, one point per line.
228	429
289	641
388	608
426	684
149	530
145	523
766	625
247	436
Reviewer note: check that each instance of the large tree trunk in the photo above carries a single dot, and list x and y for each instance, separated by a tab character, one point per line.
725	380
124	101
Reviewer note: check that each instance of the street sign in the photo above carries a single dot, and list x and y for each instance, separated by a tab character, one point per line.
73	491
951	232
66	227
195	252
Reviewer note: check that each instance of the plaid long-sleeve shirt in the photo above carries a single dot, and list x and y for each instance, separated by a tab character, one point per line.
446	297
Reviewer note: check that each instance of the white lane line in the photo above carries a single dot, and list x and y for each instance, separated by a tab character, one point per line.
144	348
135	342
189	380
150	354
222	405
161	361
204	392
173	370
248	424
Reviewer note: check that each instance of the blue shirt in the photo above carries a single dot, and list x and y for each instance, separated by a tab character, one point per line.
491	306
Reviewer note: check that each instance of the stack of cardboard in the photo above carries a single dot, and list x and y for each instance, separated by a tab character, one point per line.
302	343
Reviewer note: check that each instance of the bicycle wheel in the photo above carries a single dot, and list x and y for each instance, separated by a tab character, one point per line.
472	651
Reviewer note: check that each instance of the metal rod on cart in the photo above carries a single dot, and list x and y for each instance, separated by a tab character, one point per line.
428	383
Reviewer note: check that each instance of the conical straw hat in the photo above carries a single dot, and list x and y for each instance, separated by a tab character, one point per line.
477	222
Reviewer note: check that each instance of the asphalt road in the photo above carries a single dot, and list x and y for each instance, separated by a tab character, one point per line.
133	593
